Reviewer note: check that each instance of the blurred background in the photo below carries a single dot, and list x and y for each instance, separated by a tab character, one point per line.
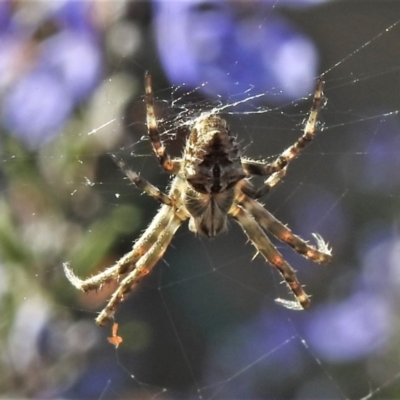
204	323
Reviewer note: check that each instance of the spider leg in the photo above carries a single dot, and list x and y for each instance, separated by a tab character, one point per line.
271	182
144	185
144	265
141	247
321	254
264	246
170	165
252	167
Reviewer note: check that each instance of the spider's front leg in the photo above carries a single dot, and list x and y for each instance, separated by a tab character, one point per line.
169	164
253	167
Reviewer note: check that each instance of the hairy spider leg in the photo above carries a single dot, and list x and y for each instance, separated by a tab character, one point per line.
266	220
253	167
128	261
170	165
145	185
264	246
143	267
246	187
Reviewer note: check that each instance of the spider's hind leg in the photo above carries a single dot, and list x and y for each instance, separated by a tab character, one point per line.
320	254
141	246
264	246
126	262
143	266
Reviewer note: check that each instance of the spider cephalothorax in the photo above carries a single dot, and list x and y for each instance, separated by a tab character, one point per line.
210	183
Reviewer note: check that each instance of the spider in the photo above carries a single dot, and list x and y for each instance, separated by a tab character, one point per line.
210	182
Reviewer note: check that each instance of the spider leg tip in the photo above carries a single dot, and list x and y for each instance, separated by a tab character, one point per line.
289	304
101	321
322	246
69	274
68	270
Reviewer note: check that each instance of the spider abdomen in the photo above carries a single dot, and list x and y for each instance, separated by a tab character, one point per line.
208	212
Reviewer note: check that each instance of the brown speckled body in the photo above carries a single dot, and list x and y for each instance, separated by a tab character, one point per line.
212	167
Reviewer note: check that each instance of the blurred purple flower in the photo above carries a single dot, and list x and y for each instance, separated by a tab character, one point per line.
77	59
36	108
211	43
44	80
5	16
361	324
351	329
76	15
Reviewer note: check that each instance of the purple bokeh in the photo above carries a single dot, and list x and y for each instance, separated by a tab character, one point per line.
43	81
36	108
233	54
350	330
